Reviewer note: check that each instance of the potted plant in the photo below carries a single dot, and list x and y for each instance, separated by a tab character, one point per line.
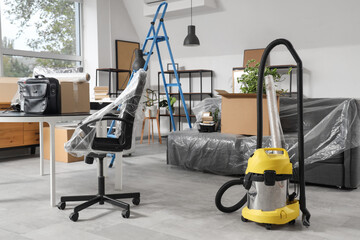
163	104
250	77
149	104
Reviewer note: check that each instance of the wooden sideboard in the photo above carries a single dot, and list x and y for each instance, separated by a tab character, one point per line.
18	134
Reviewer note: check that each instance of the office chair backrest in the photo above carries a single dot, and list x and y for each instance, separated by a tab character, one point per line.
84	140
128	112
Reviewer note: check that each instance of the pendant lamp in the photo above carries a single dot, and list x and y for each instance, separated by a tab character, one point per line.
191	39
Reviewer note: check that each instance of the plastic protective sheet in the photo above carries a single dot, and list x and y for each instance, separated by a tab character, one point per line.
39	70
274	116
81	142
63	74
207	105
331	127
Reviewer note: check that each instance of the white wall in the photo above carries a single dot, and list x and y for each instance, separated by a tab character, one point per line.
328	71
324	32
104	22
90	39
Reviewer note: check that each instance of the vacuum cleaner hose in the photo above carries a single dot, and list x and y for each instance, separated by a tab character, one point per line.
221	192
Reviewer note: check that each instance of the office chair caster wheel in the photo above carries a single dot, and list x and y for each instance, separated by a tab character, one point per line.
74	216
244	219
136	201
292	222
61	205
268	226
125	213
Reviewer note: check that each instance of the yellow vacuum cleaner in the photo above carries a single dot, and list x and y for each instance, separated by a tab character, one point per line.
267	197
269	169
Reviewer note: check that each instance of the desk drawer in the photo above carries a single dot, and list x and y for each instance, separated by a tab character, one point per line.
31	137
31	126
11	127
9	138
4	106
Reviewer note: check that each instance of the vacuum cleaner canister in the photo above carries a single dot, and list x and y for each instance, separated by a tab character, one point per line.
267	176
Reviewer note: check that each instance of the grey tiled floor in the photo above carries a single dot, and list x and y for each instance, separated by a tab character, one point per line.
175	204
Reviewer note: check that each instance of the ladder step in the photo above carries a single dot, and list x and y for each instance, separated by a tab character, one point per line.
158	38
172	85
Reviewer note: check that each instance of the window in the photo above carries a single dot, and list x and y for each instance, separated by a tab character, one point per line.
39	33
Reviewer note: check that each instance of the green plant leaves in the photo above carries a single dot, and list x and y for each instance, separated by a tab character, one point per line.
249	79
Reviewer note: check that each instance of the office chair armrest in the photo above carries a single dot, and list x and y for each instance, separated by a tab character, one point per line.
85	127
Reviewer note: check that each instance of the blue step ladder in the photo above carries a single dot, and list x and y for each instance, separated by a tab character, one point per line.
153	35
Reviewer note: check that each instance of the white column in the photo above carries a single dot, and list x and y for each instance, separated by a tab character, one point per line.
52	164
41	143
118	171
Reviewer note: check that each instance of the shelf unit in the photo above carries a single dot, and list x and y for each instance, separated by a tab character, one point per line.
191	74
110	71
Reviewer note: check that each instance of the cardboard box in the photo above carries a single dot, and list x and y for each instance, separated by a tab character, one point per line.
238	113
75	97
8	88
62	135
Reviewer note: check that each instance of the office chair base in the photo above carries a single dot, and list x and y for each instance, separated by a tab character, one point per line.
100	198
93	199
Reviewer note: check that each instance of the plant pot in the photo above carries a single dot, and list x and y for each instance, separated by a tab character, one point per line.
150	111
163	110
173	111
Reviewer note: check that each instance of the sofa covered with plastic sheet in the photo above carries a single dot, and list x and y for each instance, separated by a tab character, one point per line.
332	143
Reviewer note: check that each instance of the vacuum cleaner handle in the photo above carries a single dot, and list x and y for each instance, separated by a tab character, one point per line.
277	149
302	200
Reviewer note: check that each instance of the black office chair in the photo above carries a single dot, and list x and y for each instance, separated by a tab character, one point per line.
101	146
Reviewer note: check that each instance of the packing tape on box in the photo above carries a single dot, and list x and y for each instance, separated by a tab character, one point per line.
76	93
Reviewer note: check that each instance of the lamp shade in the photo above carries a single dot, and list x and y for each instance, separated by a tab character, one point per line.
191	39
139	61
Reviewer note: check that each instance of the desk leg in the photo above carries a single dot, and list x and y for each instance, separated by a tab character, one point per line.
52	165
41	143
118	171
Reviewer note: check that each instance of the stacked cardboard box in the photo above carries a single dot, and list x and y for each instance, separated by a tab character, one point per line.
62	135
101	93
75	97
8	88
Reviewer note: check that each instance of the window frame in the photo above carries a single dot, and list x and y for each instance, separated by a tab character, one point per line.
79	57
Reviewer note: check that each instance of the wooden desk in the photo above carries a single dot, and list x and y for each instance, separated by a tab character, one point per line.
18	134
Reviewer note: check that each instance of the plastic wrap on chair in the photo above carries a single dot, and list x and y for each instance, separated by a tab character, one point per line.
331	126
81	141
